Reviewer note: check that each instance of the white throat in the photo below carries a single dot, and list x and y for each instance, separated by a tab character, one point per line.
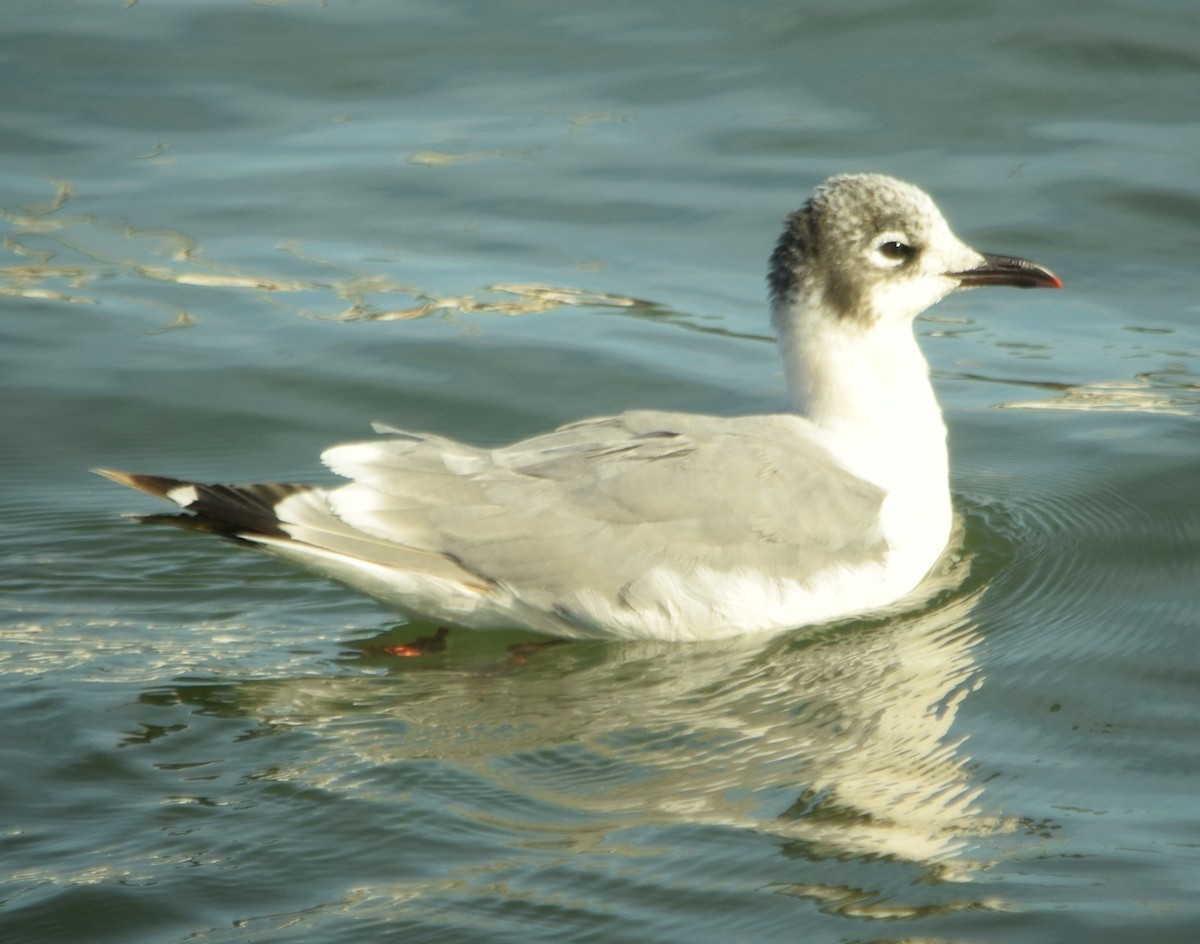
867	388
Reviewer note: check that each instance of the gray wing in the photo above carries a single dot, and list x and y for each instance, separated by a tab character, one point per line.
599	503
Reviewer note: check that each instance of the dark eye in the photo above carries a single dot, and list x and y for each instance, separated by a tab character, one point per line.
896	251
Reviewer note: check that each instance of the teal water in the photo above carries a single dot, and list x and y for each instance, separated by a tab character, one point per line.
235	233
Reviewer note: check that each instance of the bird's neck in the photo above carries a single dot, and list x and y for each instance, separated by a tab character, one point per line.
867	388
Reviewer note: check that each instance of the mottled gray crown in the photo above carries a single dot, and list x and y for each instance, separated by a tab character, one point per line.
823	242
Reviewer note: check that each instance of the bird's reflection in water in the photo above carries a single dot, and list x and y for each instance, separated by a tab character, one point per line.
841	741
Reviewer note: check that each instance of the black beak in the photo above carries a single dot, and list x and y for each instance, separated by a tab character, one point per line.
1008	270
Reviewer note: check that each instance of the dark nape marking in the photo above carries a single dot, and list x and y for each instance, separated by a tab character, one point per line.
791	251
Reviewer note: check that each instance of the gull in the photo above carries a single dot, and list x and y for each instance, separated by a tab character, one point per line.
663	525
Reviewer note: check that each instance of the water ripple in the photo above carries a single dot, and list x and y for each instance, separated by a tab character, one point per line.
1080	540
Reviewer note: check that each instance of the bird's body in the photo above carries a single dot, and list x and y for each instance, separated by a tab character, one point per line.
669	525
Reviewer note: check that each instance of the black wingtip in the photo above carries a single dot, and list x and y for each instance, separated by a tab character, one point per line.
240	512
157	485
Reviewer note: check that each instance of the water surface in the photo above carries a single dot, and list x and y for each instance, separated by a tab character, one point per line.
237	232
